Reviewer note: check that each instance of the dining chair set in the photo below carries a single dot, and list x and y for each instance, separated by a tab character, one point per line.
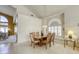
40	40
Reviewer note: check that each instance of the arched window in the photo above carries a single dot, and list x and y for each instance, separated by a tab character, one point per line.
55	27
3	24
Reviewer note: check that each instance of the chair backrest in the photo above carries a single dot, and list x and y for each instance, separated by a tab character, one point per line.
49	37
32	36
48	34
53	36
36	33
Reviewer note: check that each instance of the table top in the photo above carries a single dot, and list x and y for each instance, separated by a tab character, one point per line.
40	37
70	39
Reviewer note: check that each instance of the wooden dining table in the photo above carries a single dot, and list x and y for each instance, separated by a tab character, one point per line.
40	38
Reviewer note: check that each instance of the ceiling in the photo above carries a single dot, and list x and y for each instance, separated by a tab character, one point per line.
43	11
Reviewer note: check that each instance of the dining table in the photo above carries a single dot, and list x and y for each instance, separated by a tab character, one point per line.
40	38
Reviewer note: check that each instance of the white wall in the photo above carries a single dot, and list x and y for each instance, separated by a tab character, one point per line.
72	19
49	18
26	24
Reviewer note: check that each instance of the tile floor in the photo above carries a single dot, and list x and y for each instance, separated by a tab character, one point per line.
26	48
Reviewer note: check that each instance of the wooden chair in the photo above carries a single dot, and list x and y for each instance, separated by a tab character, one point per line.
48	40
53	37
33	40
37	34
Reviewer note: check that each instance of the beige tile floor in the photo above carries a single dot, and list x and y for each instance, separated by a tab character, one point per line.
25	48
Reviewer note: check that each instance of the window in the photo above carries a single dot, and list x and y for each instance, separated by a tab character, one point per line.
56	29
3	24
4	29
3	19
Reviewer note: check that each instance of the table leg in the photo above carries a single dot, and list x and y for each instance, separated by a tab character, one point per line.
64	43
40	44
53	42
74	45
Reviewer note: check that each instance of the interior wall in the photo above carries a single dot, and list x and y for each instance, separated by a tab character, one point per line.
49	18
55	19
71	17
26	24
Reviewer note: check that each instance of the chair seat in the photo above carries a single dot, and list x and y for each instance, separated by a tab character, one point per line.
35	41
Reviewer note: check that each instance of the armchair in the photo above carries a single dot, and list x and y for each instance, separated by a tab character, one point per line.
48	40
33	40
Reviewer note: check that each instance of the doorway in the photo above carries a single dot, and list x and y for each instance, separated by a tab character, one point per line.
7	28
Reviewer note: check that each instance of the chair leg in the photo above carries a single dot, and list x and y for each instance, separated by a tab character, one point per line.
53	42
74	45
64	43
33	45
46	46
50	44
